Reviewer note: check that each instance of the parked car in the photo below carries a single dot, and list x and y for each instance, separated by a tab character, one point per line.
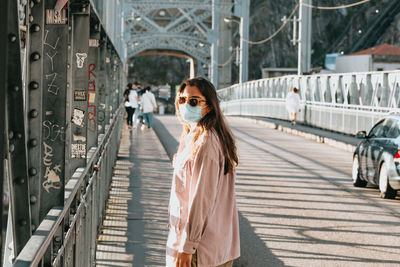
376	159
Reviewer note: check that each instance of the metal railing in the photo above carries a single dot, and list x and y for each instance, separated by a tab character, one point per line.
338	102
67	235
56	106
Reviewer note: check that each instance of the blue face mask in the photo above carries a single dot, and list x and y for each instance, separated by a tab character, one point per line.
190	114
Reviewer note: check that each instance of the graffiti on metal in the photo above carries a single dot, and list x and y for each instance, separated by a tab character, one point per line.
54	46
52	87
53	131
52	174
92	124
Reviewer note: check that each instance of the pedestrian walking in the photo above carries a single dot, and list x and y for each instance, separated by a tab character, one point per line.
203	218
149	106
137	87
293	104
130	103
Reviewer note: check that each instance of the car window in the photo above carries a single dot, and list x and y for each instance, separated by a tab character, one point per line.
376	131
387	125
394	131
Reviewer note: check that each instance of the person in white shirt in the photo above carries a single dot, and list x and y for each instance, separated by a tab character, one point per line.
149	106
130	103
137	88
293	104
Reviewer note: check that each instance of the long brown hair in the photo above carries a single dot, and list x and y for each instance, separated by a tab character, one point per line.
214	119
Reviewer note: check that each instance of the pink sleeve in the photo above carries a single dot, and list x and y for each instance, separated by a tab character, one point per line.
204	183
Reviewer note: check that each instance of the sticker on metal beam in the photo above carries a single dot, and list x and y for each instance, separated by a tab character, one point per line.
56	17
78	117
92	97
93	43
79	138
78	151
80	59
80	95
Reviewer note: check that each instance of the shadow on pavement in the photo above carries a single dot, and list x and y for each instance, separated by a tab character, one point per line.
254	252
135	226
169	142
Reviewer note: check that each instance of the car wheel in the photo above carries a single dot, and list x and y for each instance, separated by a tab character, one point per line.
356	174
386	190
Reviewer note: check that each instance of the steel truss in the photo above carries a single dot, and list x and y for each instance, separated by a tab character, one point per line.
60	120
181	26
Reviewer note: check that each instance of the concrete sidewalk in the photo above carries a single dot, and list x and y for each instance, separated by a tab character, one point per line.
135	229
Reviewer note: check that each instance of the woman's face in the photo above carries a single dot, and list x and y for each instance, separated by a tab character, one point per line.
194	92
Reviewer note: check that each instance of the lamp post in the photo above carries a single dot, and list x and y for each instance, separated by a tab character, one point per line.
303	39
304	50
242	47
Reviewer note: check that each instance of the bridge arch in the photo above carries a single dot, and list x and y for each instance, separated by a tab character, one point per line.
196	49
192	27
196	66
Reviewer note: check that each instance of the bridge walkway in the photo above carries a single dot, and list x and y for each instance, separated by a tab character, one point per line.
135	226
336	139
297	206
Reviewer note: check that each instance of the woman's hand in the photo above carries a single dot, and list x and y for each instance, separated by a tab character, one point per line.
183	260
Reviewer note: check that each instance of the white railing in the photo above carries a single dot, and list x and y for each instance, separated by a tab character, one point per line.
339	102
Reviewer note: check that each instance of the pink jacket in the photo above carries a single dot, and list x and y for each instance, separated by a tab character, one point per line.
203	214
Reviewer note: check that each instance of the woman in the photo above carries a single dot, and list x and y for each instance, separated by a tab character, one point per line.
131	103
204	229
293	104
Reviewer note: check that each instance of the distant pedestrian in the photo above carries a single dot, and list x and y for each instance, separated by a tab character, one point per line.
130	103
293	104
203	217
137	87
149	106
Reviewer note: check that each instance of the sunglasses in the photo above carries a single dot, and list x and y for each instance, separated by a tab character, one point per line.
191	101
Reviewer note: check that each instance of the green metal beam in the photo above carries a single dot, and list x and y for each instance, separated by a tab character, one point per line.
3	84
77	132
55	51
15	139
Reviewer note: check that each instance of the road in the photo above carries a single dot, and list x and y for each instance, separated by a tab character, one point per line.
297	206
